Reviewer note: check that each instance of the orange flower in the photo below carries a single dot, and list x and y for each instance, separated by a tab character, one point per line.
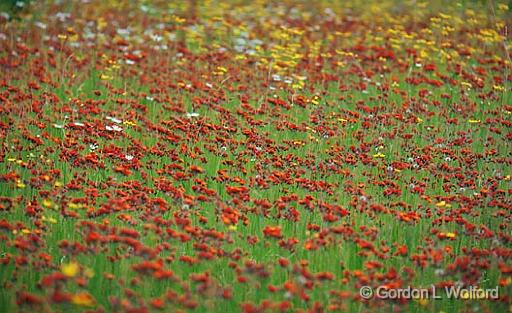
83	299
272	231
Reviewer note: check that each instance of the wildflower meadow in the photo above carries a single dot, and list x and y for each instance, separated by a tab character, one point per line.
255	156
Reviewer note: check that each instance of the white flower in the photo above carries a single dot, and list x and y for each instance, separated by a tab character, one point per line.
40	25
123	31
276	78
128	157
117	128
62	16
192	114
58	126
113	128
113	119
156	38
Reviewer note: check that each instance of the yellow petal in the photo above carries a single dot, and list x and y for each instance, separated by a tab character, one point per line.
83	299
47	203
70	269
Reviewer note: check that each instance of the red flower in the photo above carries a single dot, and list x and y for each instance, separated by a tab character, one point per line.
272	231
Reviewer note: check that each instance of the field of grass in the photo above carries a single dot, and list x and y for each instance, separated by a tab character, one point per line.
254	156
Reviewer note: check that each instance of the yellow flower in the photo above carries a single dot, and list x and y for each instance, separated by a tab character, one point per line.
379	155
178	19
220	71
70	269
298	85
441	204
423	301
50	220
449	235
47	203
74	38
83	299
75	206
465	294
130	123
473	121
105	77
101	23
498	88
